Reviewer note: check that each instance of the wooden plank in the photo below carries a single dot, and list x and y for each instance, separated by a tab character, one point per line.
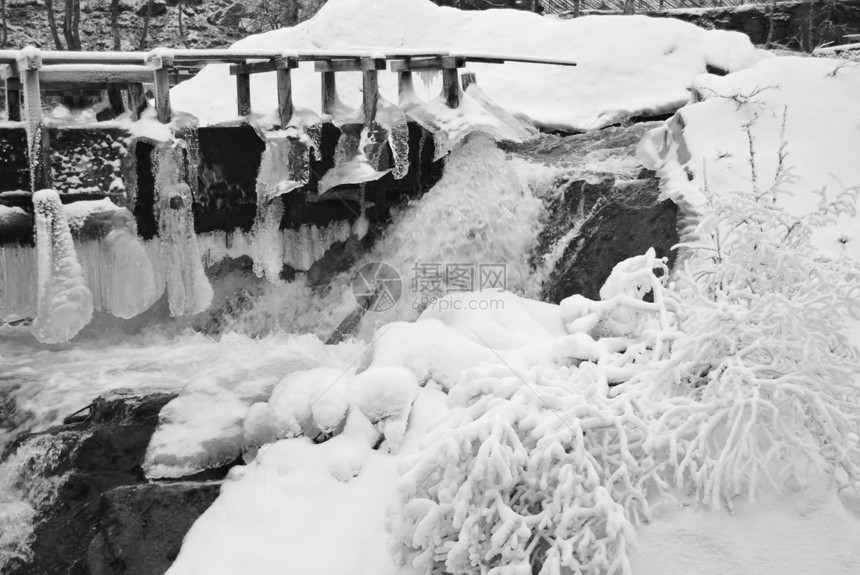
162	95
492	58
370	94
114	93
269	66
416	64
136	100
13	104
89	75
351	65
243	94
404	85
329	92
451	87
285	97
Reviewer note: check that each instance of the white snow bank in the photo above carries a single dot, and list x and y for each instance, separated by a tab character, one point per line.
78	212
706	144
318	509
627	65
797	533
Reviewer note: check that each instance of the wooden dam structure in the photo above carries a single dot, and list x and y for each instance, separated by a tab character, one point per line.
222	160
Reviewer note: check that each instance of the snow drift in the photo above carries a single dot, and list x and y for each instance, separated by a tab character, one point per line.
627	65
790	121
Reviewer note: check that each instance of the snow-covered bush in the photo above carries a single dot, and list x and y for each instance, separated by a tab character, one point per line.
739	374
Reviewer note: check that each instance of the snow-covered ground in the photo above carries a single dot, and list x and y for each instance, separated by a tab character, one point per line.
627	65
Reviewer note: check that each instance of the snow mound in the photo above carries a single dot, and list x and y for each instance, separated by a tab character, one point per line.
799	113
627	65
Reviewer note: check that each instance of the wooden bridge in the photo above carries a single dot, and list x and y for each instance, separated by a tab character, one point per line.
30	72
224	171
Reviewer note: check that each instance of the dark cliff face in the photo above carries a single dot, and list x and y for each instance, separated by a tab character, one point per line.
602	208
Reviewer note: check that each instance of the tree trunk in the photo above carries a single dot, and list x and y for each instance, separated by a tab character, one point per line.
72	24
629	7
146	19
577	8
769	41
179	7
114	24
52	24
5	36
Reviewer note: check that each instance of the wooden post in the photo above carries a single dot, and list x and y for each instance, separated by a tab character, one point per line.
38	148
162	95
285	96
136	100
243	94
369	89
404	85
329	92
468	78
451	87
114	94
13	104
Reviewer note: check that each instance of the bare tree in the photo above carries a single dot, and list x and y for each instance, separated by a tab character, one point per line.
146	19
629	7
5	37
179	7
114	24
769	41
72	24
52	24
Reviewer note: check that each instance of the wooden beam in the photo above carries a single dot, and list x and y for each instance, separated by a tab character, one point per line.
260	67
370	94
114	93
350	65
243	94
451	87
116	58
13	104
329	92
29	63
84	75
162	95
404	85
437	63
285	97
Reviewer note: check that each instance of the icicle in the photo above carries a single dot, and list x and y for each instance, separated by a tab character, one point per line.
119	273
356	159
188	289
17	282
393	121
64	303
267	246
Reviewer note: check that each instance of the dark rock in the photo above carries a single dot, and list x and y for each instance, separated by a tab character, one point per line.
159	7
616	220
141	527
97	451
98	225
232	16
829	21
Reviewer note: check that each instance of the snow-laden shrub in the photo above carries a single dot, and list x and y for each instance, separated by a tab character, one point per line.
740	374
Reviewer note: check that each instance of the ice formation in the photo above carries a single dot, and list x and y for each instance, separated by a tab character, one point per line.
18	275
65	303
188	289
